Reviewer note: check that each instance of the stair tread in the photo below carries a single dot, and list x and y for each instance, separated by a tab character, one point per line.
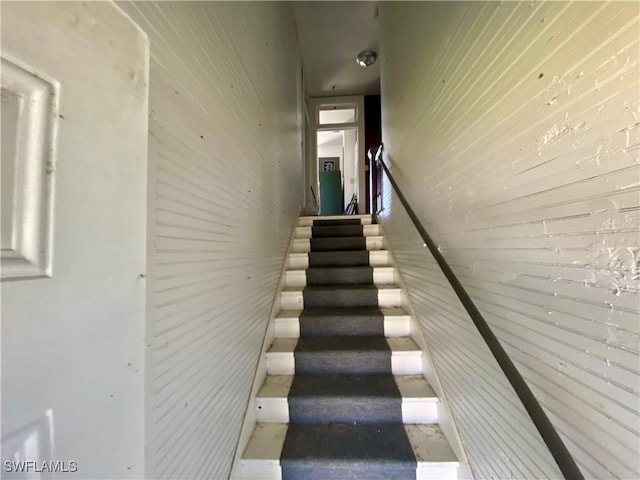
375	443
343	230
388	287
382	251
396	344
342	344
430	445
359	321
331	276
332	244
266	442
335	217
337	230
341	267
339	258
386	268
409	386
344	385
344	311
340	239
304	259
427	442
343	355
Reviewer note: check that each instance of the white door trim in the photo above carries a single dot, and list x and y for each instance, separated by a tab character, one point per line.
353	100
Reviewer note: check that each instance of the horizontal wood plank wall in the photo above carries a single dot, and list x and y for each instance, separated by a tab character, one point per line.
514	130
225	185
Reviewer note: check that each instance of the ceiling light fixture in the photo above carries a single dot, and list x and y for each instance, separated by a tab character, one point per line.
366	58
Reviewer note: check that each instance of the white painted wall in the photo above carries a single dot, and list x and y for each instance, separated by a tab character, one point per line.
310	165
73	339
513	129
350	165
225	187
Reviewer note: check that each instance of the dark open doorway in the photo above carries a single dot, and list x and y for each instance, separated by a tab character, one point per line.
372	139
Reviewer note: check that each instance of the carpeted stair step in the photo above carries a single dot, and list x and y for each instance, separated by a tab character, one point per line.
338	243
360	355
356	275
361	321
339	276
346	398
340	296
353	258
338	259
357	321
264	454
329	244
336	220
384	296
324	231
347	451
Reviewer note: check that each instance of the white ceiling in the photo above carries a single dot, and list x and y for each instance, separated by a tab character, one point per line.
331	35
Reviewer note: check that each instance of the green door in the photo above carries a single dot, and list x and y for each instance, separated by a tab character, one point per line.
331	202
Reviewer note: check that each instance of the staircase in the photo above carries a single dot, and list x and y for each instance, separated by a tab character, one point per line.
345	395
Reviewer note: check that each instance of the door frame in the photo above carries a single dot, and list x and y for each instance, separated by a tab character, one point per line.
325	103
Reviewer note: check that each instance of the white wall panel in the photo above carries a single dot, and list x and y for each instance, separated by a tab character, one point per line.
225	187
514	130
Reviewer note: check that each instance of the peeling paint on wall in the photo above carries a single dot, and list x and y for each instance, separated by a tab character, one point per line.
524	167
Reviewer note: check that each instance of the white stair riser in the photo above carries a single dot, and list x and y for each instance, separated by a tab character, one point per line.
272	410
426	471
367	231
402	363
406	363
381	276
387	298
419	410
308	221
259	469
377	258
414	410
287	328
399	326
303	245
281	363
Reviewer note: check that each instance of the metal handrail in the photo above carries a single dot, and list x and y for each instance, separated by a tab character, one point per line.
549	434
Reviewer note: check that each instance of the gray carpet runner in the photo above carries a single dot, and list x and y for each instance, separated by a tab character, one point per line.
345	409
354	275
363	355
337	231
346	398
339	259
358	321
324	451
340	296
325	244
336	223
